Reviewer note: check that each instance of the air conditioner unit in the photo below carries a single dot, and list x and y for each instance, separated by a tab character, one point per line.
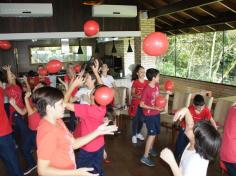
114	11
26	10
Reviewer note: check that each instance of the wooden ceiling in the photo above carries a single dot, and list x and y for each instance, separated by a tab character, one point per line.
188	16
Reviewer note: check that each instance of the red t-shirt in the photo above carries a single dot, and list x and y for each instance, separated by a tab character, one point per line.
149	98
138	86
67	80
5	127
33	121
228	145
55	143
91	116
205	114
44	79
15	92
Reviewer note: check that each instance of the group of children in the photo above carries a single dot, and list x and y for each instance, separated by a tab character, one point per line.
55	143
198	140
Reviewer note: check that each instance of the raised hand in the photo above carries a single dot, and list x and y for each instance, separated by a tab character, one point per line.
167	155
6	67
180	114
105	129
27	94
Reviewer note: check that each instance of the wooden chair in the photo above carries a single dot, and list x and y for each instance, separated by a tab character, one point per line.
220	113
120	105
180	100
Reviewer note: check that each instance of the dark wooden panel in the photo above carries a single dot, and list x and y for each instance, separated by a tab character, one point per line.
68	16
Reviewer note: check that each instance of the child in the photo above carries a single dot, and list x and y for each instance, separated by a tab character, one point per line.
139	83
204	146
91	116
228	147
151	114
108	80
40	78
55	144
7	146
199	112
17	111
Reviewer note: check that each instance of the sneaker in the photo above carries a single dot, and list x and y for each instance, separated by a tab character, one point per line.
153	153
29	170
140	136
134	140
147	161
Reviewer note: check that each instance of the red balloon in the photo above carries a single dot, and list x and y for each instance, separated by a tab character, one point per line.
155	44
77	68
104	95
91	28
5	45
53	66
160	102
43	71
169	85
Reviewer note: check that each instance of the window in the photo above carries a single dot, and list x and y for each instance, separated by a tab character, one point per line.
41	55
207	56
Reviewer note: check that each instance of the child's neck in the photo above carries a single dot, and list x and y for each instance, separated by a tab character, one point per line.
104	74
141	80
152	84
50	119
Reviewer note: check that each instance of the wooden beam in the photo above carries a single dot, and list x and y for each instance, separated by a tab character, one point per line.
176	19
209	11
164	21
203	22
210	27
191	15
147	5
178	7
231	26
195	29
229	5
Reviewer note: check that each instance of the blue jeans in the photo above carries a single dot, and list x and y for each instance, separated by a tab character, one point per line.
9	155
91	159
181	143
26	137
231	167
137	122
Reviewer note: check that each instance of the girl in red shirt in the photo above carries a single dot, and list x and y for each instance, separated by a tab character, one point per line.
139	83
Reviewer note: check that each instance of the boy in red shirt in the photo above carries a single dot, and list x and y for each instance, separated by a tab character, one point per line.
151	114
55	144
199	112
7	147
91	116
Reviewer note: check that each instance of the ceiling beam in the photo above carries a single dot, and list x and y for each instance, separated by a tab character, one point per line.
191	15
209	11
164	21
210	27
230	25
178	7
174	17
229	5
203	22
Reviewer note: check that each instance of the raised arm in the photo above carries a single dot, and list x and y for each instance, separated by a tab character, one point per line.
7	68
95	69
29	108
101	130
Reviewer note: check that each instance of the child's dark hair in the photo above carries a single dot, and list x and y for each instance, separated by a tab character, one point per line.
135	71
198	100
93	77
207	140
46	96
151	73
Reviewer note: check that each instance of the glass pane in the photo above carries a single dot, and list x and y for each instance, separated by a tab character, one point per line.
203	60
167	61
229	74
44	54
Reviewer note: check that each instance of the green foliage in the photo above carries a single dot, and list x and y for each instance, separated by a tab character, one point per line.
204	56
